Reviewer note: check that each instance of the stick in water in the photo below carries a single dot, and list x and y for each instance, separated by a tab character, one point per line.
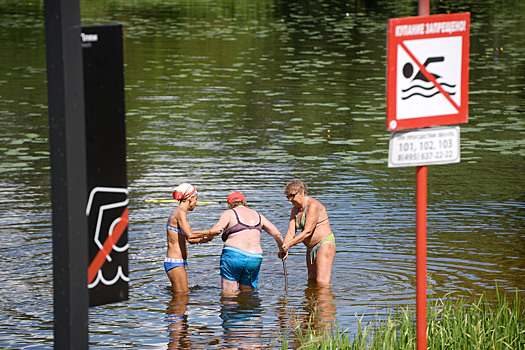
285	277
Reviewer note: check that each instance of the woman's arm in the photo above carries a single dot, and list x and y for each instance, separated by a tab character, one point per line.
214	231
273	231
192	236
222	223
290	233
311	220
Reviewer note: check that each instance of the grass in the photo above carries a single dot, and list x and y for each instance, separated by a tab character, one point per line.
497	323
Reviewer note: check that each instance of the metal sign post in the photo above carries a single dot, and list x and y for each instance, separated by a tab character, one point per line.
421	256
68	172
421	238
427	85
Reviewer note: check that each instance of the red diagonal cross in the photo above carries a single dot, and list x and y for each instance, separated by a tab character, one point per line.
430	76
112	239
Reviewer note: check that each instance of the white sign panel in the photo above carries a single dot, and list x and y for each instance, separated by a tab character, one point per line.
424	147
427	71
416	95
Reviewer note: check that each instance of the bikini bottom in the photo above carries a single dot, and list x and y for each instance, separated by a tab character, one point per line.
312	252
170	263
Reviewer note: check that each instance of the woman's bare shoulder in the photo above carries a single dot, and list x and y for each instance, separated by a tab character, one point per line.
315	204
178	214
312	202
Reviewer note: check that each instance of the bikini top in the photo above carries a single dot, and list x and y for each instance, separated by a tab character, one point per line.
299	225
239	226
172	228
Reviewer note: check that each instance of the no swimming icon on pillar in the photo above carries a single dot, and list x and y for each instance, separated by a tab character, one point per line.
427	82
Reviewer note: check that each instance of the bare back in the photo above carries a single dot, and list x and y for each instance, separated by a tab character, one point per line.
249	239
176	241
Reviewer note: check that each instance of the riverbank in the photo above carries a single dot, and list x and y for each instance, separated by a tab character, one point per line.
488	322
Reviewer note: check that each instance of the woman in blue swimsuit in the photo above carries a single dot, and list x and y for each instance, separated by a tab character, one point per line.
178	232
241	256
309	224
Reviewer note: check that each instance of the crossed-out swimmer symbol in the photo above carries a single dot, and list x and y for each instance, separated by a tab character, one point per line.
408	69
417	83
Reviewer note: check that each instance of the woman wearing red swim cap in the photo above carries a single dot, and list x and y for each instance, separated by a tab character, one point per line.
241	256
309	224
178	232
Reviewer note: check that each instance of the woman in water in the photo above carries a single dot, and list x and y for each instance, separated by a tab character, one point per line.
241	256
309	217
178	232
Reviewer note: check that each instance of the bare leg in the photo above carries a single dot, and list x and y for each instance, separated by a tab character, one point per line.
244	288
178	279
324	262
229	286
312	268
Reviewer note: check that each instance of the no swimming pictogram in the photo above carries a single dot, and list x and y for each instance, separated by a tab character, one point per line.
108	219
427	81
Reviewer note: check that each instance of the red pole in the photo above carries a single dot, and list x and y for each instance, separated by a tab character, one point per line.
424	9
421	236
421	256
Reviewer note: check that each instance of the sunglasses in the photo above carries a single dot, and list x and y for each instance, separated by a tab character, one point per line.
291	196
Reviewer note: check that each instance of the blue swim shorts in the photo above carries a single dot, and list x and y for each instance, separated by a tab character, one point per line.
240	266
170	263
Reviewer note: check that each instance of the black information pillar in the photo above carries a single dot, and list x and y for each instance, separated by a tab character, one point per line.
107	205
65	93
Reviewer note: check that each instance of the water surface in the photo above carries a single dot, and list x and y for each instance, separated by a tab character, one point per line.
242	96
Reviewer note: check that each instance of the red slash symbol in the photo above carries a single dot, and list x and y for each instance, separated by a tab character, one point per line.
112	239
430	77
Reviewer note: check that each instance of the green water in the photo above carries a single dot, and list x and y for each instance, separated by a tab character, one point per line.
235	95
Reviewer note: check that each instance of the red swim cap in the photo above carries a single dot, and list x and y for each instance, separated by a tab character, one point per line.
235	197
183	191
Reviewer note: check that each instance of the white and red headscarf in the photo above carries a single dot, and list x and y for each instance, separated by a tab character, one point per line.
184	191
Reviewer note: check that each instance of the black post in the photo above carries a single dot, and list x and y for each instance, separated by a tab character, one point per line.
68	172
103	59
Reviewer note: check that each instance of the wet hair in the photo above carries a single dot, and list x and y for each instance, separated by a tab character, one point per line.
296	186
186	199
236	204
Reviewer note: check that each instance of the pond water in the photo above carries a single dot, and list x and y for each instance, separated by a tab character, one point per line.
247	96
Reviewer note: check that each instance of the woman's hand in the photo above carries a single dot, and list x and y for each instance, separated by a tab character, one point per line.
283	252
205	239
215	231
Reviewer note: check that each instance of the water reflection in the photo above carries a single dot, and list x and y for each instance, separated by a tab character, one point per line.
241	314
317	314
177	319
320	308
249	95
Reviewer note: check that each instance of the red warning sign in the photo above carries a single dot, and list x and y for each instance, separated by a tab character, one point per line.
427	73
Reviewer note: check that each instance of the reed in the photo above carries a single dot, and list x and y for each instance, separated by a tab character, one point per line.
496	323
